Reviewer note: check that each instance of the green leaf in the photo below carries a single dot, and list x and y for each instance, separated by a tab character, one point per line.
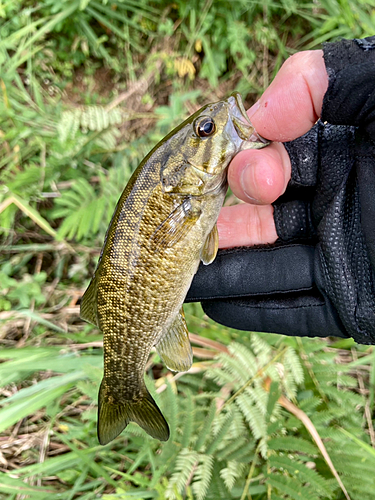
20	409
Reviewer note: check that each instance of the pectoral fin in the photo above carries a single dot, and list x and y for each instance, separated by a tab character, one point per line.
210	247
175	227
174	347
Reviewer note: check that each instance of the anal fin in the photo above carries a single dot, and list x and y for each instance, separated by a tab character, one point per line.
174	347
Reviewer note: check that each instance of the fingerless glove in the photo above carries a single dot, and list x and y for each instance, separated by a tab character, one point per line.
318	279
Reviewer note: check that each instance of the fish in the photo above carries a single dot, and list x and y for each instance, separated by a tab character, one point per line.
163	226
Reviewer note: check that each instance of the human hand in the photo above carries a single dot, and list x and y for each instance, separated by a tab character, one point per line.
318	278
288	109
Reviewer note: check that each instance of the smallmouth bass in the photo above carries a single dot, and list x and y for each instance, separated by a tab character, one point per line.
163	226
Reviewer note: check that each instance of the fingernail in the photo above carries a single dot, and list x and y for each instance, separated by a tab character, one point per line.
249	183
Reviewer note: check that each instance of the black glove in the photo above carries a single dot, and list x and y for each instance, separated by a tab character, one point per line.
318	279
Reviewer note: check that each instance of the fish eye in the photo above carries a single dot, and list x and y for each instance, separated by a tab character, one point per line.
204	127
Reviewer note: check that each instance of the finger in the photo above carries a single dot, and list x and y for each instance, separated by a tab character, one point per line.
293	102
260	176
244	225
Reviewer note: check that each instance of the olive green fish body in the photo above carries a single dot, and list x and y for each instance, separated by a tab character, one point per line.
163	225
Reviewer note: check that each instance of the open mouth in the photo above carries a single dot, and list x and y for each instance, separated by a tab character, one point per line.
241	121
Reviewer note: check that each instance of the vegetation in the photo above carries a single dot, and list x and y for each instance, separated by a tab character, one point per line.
87	87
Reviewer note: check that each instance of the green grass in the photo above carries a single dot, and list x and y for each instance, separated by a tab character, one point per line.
86	89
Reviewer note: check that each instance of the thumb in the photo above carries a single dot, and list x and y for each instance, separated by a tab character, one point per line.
293	102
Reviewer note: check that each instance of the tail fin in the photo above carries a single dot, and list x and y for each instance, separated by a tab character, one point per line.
114	417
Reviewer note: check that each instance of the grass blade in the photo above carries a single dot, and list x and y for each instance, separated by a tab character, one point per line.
29	211
301	415
17	411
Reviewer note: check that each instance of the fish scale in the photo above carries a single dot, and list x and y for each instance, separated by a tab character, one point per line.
163	225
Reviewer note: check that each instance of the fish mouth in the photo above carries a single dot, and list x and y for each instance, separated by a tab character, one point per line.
243	125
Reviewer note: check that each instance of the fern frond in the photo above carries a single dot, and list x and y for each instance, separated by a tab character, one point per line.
202	476
231	472
292	444
188	422
93	118
261	348
273	372
238	428
231	365
304	474
194	383
263	447
185	463
217	489
353	463
259	397
242	452
218	375
359	493
171	410
231	447
101	205
272	408
346	380
345	398
325	417
107	140
86	211
68	125
291	487
226	422
246	361
252	415
309	404
205	430
326	374
293	364
79	208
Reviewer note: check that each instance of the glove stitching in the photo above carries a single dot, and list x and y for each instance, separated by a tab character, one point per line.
256	294
229	251
248	306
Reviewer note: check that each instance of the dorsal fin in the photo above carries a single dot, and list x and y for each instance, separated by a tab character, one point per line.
89	311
